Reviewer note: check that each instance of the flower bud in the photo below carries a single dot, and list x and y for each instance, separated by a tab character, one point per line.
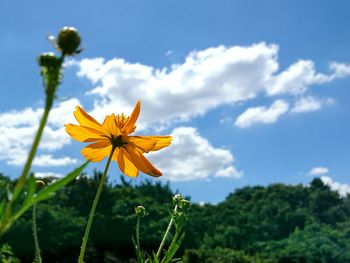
48	60
40	183
68	40
184	204
140	211
177	198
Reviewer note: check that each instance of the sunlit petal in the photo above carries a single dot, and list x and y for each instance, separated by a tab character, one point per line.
97	151
84	134
149	143
85	119
125	163
110	125
142	163
129	125
141	143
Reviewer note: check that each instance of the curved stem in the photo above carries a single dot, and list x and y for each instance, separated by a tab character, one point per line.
35	235
166	234
93	208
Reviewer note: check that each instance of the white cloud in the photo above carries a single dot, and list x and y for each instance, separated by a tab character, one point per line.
340	70
205	80
296	79
320	170
47	160
18	129
309	104
191	157
262	114
47	174
342	189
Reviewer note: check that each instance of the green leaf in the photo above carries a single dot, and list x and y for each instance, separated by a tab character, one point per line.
155	258
48	191
175	245
31	189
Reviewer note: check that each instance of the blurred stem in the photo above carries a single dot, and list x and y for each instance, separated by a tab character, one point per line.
138	233
93	208
35	235
137	245
51	80
22	178
166	234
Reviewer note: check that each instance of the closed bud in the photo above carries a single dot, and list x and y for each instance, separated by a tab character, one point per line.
68	40
177	198
184	204
140	211
48	60
40	183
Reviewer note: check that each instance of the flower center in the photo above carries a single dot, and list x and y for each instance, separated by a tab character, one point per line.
117	141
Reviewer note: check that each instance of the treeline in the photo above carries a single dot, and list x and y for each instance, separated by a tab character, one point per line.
277	223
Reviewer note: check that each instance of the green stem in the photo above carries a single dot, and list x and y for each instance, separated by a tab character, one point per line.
137	246
35	235
93	208
22	178
166	234
138	233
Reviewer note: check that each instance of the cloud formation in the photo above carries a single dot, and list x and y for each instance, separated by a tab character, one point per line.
309	104
18	128
205	80
190	157
342	189
262	114
319	170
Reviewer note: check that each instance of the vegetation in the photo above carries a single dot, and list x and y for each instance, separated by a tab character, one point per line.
277	223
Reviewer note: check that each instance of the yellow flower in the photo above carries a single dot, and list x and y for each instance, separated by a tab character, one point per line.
114	133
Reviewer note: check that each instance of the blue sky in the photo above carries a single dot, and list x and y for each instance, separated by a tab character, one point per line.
253	92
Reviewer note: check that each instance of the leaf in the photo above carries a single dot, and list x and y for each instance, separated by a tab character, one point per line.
175	245
31	189
155	258
49	190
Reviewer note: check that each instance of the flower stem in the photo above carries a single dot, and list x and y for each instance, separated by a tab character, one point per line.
166	234
93	208
22	178
35	235
138	233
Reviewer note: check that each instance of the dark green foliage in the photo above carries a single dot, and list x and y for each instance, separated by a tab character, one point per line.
274	224
222	255
6	255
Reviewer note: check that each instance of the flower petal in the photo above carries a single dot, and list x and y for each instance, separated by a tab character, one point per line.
125	163
149	143
84	134
142	162
110	125
85	119
140	142
129	125
97	151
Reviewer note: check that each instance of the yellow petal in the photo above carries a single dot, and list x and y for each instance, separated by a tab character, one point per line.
129	125
110	125
142	163
84	134
97	151
140	142
125	164
149	143
161	141
85	119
